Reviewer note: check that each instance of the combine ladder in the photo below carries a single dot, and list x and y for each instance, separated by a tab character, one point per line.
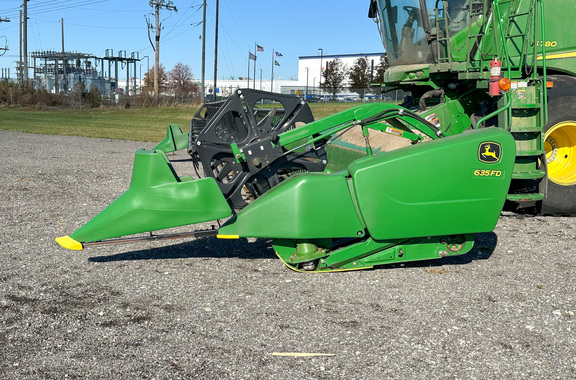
442	35
526	116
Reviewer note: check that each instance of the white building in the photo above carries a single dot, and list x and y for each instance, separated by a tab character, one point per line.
308	81
309	68
227	86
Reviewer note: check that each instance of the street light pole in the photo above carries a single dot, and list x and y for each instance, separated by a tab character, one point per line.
147	71
147	63
320	81
313	85
306	93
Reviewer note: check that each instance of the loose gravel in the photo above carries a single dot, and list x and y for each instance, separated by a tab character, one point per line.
214	309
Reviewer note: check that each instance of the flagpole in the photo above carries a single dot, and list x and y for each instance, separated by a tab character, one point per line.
255	57
248	70
272	80
216	49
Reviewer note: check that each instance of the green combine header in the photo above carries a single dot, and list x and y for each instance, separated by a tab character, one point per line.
489	125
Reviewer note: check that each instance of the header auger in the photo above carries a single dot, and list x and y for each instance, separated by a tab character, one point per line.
265	169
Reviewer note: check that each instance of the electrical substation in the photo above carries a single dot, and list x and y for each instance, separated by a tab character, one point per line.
58	72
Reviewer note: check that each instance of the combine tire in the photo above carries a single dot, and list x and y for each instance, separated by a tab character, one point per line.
560	147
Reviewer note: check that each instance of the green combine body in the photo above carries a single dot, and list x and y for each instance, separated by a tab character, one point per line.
473	150
441	52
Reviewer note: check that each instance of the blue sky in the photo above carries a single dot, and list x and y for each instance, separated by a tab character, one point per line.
293	28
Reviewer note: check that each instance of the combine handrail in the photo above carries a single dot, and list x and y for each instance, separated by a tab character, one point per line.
544	86
506	106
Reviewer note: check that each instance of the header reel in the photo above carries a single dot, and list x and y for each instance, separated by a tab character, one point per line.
237	144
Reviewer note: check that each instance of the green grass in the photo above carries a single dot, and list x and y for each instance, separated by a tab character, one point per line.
141	124
138	124
321	110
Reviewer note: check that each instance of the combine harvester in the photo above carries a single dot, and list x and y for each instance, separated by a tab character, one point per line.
484	76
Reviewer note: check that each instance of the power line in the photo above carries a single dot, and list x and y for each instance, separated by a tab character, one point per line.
51	6
185	22
107	27
238	26
65	5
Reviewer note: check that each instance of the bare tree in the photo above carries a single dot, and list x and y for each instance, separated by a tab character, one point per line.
180	80
334	76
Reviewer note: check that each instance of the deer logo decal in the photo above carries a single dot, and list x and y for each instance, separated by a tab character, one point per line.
489	152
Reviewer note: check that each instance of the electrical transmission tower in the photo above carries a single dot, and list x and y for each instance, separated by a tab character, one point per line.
157	5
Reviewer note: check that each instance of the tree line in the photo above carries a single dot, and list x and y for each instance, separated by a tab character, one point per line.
177	82
337	76
178	86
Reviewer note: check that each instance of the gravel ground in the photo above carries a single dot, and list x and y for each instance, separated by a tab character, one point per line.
215	309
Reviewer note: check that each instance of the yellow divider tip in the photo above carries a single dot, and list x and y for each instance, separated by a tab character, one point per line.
228	236
69	243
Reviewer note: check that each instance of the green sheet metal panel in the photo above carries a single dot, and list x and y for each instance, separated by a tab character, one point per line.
174	140
156	199
440	187
308	206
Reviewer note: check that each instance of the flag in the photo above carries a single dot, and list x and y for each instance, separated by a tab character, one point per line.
278	54
259	48
276	63
252	56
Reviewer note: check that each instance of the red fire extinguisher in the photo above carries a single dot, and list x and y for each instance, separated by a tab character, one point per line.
495	75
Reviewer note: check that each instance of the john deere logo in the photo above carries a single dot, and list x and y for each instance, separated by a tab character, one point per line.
489	152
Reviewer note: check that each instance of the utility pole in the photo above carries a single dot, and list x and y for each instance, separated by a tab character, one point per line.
203	53
25	38
4	49
19	71
216	49
62	22
157	5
